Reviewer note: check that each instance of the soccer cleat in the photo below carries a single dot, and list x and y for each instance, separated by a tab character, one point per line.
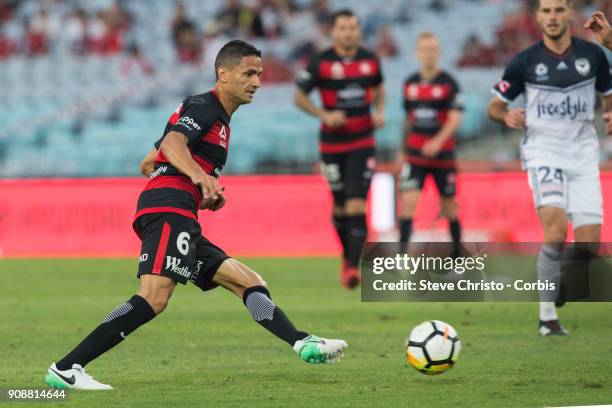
73	379
317	350
350	277
551	328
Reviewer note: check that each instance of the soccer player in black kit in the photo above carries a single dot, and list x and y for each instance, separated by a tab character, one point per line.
349	79
433	106
183	178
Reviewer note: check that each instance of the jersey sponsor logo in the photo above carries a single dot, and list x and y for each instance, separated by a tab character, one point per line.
223	137
583	66
568	108
188	123
426	114
353	92
173	264
158	171
562	66
541	71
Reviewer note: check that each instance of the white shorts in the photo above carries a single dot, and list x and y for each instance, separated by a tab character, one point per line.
578	192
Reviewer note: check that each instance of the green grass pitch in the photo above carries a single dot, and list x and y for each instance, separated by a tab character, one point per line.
205	350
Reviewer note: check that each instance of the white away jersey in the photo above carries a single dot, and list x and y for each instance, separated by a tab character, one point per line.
560	93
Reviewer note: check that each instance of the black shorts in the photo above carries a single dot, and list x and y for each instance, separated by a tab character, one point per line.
413	177
173	246
348	174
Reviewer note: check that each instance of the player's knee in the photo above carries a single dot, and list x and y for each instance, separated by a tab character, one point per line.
237	277
355	206
157	302
555	232
449	208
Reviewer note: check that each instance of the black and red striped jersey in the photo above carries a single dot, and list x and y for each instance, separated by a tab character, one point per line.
204	121
427	104
344	84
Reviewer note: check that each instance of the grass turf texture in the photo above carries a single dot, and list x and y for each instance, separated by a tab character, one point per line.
205	350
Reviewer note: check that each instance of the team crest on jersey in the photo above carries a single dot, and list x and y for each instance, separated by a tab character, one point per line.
337	70
583	66
365	68
436	92
541	71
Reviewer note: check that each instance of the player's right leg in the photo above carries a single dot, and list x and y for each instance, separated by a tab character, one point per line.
165	250
549	188
332	166
411	182
253	290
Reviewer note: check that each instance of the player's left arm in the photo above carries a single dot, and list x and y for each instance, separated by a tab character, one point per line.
607	113
603	85
147	166
378	99
432	147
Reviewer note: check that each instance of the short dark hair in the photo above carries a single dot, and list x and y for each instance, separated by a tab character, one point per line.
345	12
569	3
231	53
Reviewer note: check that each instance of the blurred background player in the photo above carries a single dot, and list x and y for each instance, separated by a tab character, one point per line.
192	154
559	77
433	108
349	79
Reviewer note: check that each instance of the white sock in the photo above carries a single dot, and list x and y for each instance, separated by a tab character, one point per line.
548	311
549	269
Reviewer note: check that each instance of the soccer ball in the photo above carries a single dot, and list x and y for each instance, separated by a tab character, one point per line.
433	347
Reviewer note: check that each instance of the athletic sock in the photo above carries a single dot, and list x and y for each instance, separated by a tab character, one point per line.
263	310
340	222
549	268
455	230
356	236
405	229
117	325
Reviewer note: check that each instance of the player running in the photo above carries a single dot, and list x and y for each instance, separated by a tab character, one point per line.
560	151
433	114
192	154
349	79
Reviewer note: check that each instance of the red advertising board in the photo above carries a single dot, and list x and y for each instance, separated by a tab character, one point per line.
264	215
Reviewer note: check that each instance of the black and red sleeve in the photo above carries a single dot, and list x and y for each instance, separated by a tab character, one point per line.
308	78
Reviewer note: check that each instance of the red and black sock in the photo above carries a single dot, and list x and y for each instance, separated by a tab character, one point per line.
357	233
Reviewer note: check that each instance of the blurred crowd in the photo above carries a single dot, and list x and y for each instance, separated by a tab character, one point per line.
43	27
519	30
56	25
289	31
